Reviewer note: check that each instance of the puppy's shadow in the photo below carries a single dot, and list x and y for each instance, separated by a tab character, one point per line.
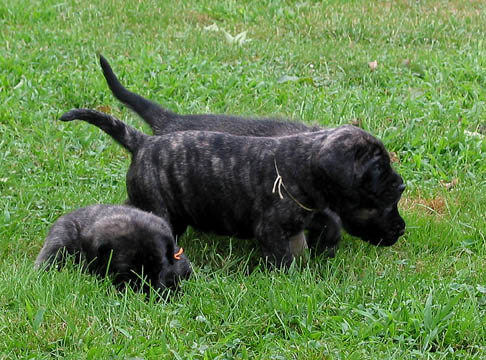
209	252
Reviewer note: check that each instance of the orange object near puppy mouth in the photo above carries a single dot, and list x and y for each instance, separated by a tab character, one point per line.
178	254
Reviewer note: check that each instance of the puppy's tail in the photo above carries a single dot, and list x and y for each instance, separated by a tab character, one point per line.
155	115
125	135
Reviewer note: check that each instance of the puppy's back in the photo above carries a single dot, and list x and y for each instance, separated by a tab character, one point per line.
64	235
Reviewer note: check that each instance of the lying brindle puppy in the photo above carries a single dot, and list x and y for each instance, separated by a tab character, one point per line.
119	240
267	188
324	229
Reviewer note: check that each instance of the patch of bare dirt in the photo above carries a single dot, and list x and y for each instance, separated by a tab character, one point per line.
436	206
104	108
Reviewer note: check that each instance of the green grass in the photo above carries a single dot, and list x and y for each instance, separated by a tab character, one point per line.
423	298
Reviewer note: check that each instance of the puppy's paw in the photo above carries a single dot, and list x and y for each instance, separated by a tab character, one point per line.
330	251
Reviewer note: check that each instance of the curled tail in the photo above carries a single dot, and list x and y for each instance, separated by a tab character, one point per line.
155	115
125	135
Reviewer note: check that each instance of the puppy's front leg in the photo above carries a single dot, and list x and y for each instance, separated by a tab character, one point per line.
275	247
324	233
298	244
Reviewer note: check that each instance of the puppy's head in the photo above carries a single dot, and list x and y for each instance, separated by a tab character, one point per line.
365	189
167	261
177	268
136	244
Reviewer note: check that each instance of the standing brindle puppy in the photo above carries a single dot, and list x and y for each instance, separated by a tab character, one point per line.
268	188
325	227
119	240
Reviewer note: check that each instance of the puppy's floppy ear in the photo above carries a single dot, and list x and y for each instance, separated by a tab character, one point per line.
343	164
374	164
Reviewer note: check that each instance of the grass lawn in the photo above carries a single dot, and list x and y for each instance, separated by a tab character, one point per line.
425	97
